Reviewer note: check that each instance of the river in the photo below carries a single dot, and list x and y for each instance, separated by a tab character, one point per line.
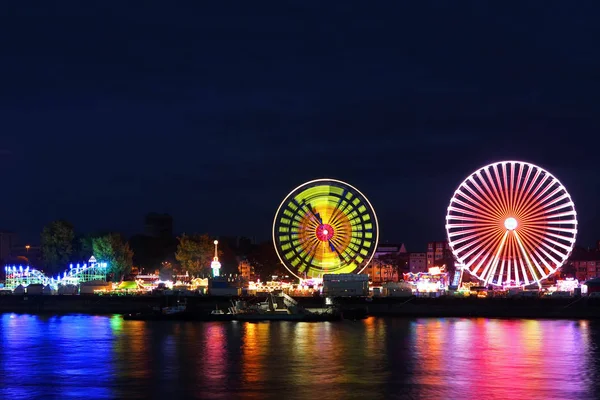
104	357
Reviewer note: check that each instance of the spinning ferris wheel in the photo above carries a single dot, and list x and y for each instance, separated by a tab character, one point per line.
325	226
511	224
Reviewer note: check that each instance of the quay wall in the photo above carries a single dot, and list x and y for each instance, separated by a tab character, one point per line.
571	308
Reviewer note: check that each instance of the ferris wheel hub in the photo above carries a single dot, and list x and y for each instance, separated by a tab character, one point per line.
511	223
324	232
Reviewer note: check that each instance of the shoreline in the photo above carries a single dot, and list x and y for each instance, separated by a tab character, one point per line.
414	307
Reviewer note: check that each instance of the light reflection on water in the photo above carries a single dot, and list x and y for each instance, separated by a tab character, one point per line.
105	357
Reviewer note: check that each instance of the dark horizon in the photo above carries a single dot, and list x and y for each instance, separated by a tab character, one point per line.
214	113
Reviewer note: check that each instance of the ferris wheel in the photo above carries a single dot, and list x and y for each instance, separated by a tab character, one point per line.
511	224
325	226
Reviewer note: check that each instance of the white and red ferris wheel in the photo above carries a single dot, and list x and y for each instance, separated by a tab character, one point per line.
511	224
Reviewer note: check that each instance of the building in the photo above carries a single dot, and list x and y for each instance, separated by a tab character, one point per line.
438	251
386	250
380	272
394	255
584	264
417	262
246	270
158	225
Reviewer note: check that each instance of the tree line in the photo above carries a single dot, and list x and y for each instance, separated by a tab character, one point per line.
191	253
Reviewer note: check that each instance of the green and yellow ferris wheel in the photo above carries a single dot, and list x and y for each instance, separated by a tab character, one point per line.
325	226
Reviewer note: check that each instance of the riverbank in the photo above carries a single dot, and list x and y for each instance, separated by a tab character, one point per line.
554	308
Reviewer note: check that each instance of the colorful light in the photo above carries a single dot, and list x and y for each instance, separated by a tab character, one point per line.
325	226
215	265
511	224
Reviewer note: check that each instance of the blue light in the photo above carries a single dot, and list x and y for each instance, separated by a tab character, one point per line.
77	265
71	266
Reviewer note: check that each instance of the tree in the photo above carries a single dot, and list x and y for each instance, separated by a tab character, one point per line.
83	247
195	253
264	258
57	245
568	270
113	250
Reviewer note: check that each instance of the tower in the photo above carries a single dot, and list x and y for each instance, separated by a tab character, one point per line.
215	264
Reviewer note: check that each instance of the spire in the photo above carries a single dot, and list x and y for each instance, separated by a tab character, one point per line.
215	264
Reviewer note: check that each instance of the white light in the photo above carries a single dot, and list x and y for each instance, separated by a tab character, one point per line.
510	223
325	232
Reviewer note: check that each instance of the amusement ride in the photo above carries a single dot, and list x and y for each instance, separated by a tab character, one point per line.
511	224
325	226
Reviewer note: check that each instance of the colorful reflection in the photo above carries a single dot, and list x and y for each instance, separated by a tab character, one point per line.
377	358
501	358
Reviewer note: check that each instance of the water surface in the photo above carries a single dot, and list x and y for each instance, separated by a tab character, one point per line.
96	357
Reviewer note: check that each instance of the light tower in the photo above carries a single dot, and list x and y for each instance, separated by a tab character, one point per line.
215	264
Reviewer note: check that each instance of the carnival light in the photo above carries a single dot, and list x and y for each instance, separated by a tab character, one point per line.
26	276
325	226
511	224
215	264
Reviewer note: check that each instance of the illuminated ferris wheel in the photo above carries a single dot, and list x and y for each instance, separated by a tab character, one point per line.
325	226
511	224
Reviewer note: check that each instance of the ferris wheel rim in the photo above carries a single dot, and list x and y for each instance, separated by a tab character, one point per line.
500	196
312	182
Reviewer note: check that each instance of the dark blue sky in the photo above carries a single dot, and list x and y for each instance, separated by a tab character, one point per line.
214	111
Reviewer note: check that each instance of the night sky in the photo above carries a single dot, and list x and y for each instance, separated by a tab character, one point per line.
214	111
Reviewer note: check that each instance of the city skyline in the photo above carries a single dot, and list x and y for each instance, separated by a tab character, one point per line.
214	118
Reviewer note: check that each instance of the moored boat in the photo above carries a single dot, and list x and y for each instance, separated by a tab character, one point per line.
281	307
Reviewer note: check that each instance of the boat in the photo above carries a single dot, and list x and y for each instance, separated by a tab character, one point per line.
281	307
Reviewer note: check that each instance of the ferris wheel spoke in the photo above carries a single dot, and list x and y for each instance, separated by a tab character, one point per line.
528	187
546	268
482	203
497	195
344	208
521	185
551	195
533	254
474	218
552	228
473	208
486	194
527	260
488	268
542	210
544	242
512	260
548	256
473	240
485	245
499	260
541	232
493	197
501	180
535	194
511	191
538	203
551	218
477	217
478	230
